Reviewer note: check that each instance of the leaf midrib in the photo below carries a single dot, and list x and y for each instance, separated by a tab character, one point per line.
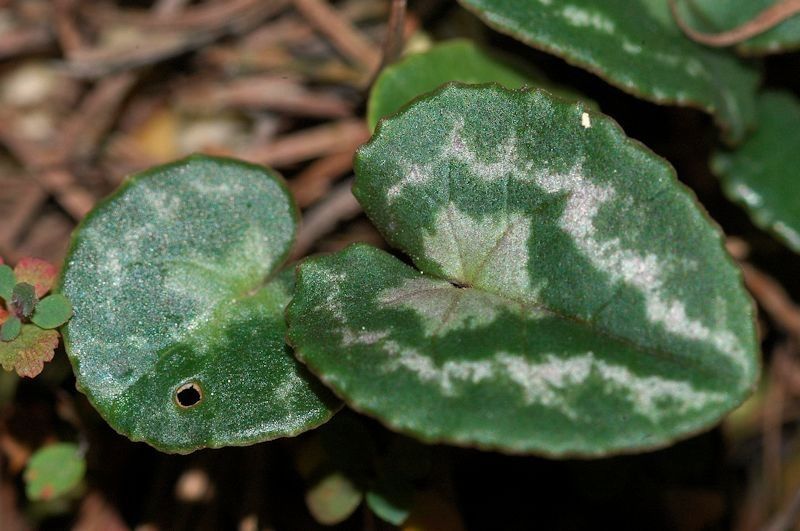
676	359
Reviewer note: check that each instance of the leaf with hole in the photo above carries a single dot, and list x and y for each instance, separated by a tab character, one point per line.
53	471
178	332
456	60
636	46
569	295
761	174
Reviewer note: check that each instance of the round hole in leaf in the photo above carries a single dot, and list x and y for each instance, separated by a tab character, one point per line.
173	280
189	395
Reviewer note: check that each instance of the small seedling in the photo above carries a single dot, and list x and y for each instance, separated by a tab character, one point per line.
54	471
29	316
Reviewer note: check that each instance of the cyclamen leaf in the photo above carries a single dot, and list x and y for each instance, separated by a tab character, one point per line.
52	312
7	282
54	470
762	174
714	16
636	46
29	351
38	273
456	60
10	329
571	297
176	338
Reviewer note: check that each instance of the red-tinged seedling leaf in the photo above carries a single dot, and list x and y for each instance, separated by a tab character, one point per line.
10	329
24	299
52	312
38	273
29	351
7	282
3	315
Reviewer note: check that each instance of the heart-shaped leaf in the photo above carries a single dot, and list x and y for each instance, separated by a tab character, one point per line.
29	351
571	297
456	60
762	174
178	333
38	273
54	470
716	16
635	45
52	312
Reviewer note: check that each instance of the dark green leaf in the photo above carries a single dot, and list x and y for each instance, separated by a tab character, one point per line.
10	329
178	332
52	311
24	299
7	282
762	174
457	60
53	471
715	16
570	298
635	45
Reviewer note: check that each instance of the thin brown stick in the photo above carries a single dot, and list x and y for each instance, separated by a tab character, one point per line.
788	518
772	424
268	92
164	44
349	41
314	181
75	199
310	143
766	20
68	35
393	44
82	132
26	204
773	299
166	9
338	206
24	41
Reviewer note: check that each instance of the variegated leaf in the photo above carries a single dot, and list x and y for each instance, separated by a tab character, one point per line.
636	46
762	174
569	296
178	333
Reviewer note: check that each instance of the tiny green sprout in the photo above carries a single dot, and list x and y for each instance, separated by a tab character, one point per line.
54	471
28	316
